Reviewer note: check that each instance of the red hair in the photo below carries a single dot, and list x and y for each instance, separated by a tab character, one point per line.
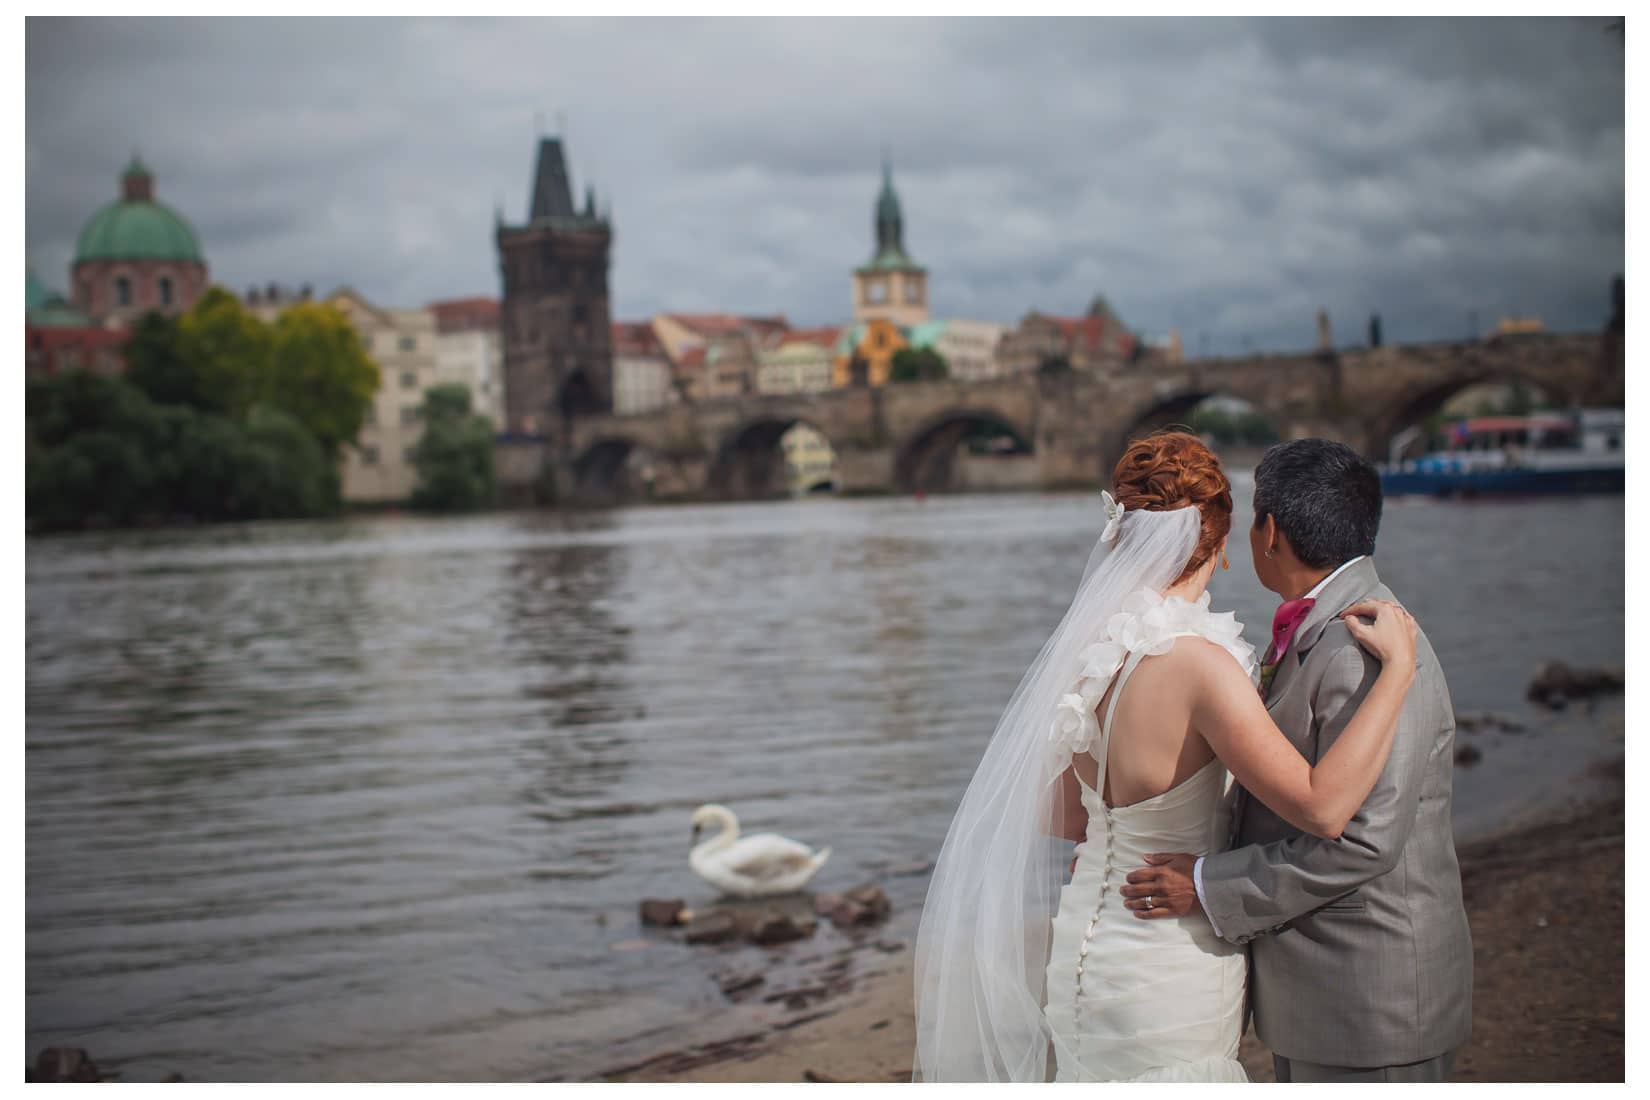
1170	469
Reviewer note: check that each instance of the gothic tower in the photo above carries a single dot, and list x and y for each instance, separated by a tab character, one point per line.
558	358
892	286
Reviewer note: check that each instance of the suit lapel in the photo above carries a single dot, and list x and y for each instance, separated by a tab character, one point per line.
1339	594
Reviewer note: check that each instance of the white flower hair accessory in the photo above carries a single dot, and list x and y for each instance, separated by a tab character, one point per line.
1114	517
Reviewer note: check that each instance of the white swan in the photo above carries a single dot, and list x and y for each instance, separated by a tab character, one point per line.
754	866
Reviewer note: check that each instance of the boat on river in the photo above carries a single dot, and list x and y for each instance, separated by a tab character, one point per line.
1579	451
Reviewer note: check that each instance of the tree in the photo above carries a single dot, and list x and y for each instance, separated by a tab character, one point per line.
320	374
101	452
454	457
918	365
227	352
155	363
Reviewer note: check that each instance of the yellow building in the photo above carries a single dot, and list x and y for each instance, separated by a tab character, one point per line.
810	463
892	287
1519	326
800	363
865	353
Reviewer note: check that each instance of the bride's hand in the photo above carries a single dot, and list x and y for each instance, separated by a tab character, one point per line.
1391	637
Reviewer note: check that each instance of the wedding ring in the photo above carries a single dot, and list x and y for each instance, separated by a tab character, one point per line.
1148	901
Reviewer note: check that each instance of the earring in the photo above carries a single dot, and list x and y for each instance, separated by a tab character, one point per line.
1225	562
1268	553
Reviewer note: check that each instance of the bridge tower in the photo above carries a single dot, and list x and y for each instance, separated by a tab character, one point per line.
558	356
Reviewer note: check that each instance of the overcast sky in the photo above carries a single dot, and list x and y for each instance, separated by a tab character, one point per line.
1224	177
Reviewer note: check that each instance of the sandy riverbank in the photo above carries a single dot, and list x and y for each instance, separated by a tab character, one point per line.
1548	999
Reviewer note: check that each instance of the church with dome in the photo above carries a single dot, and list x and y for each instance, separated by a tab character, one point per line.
135	255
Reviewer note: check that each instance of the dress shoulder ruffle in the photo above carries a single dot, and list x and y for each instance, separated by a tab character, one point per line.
1147	624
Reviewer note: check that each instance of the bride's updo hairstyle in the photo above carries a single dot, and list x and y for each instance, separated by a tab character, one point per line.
1172	469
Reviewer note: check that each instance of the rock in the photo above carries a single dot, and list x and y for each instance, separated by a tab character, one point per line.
820	1078
1467	755
662	912
848	914
716	926
736	984
873	899
824	903
908	869
889	947
879	1025
778	928
1555	681
64	1064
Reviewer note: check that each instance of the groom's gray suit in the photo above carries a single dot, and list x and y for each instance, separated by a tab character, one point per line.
1359	952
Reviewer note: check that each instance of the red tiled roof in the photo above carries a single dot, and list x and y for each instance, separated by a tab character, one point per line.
824	337
460	314
635	338
716	324
1085	333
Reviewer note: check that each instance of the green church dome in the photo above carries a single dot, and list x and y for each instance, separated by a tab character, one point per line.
136	227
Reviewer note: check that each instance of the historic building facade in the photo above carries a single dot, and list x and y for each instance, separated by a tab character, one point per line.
799	362
865	353
893	286
969	348
642	376
558	356
136	255
469	351
1094	342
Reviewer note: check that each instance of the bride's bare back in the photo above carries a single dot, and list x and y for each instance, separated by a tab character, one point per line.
1153	747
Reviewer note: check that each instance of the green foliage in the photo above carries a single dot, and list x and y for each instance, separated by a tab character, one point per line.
321	374
228	353
101	453
454	457
220	417
918	365
155	363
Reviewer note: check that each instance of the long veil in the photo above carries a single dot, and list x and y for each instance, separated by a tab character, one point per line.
983	941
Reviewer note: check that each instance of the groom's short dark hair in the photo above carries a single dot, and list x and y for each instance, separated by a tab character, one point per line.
1325	497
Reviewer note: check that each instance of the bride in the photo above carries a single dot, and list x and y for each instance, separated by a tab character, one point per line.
1120	736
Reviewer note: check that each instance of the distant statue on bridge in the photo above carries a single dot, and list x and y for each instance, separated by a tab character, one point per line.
1374	330
1326	341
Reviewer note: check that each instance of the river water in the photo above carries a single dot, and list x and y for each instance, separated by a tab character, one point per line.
375	799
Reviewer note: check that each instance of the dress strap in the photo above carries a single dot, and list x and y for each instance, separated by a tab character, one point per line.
1103	749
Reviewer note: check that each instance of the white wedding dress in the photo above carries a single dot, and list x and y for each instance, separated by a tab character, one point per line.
1130	999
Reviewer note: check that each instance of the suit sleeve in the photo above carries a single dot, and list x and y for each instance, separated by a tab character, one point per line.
1258	889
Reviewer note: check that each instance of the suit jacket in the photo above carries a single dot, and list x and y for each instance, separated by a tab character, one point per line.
1359	951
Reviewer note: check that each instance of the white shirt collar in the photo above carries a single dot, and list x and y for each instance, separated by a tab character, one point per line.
1342	568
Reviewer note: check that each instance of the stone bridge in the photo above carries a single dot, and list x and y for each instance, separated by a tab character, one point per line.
1068	428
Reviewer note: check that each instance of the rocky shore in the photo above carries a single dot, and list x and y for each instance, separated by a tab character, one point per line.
1548	1000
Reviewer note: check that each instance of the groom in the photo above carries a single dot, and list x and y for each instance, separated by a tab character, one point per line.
1360	960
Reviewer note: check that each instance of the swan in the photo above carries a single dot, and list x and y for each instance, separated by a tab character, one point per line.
755	866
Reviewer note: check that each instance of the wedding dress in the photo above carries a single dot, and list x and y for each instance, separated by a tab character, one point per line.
1145	1000
1012	961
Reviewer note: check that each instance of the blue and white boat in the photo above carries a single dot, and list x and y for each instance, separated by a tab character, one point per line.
1570	452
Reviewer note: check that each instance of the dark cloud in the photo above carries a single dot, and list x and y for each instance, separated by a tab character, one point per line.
1225	177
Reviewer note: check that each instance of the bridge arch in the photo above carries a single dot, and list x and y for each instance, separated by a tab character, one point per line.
1248	426
1415	406
613	469
750	463
926	461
